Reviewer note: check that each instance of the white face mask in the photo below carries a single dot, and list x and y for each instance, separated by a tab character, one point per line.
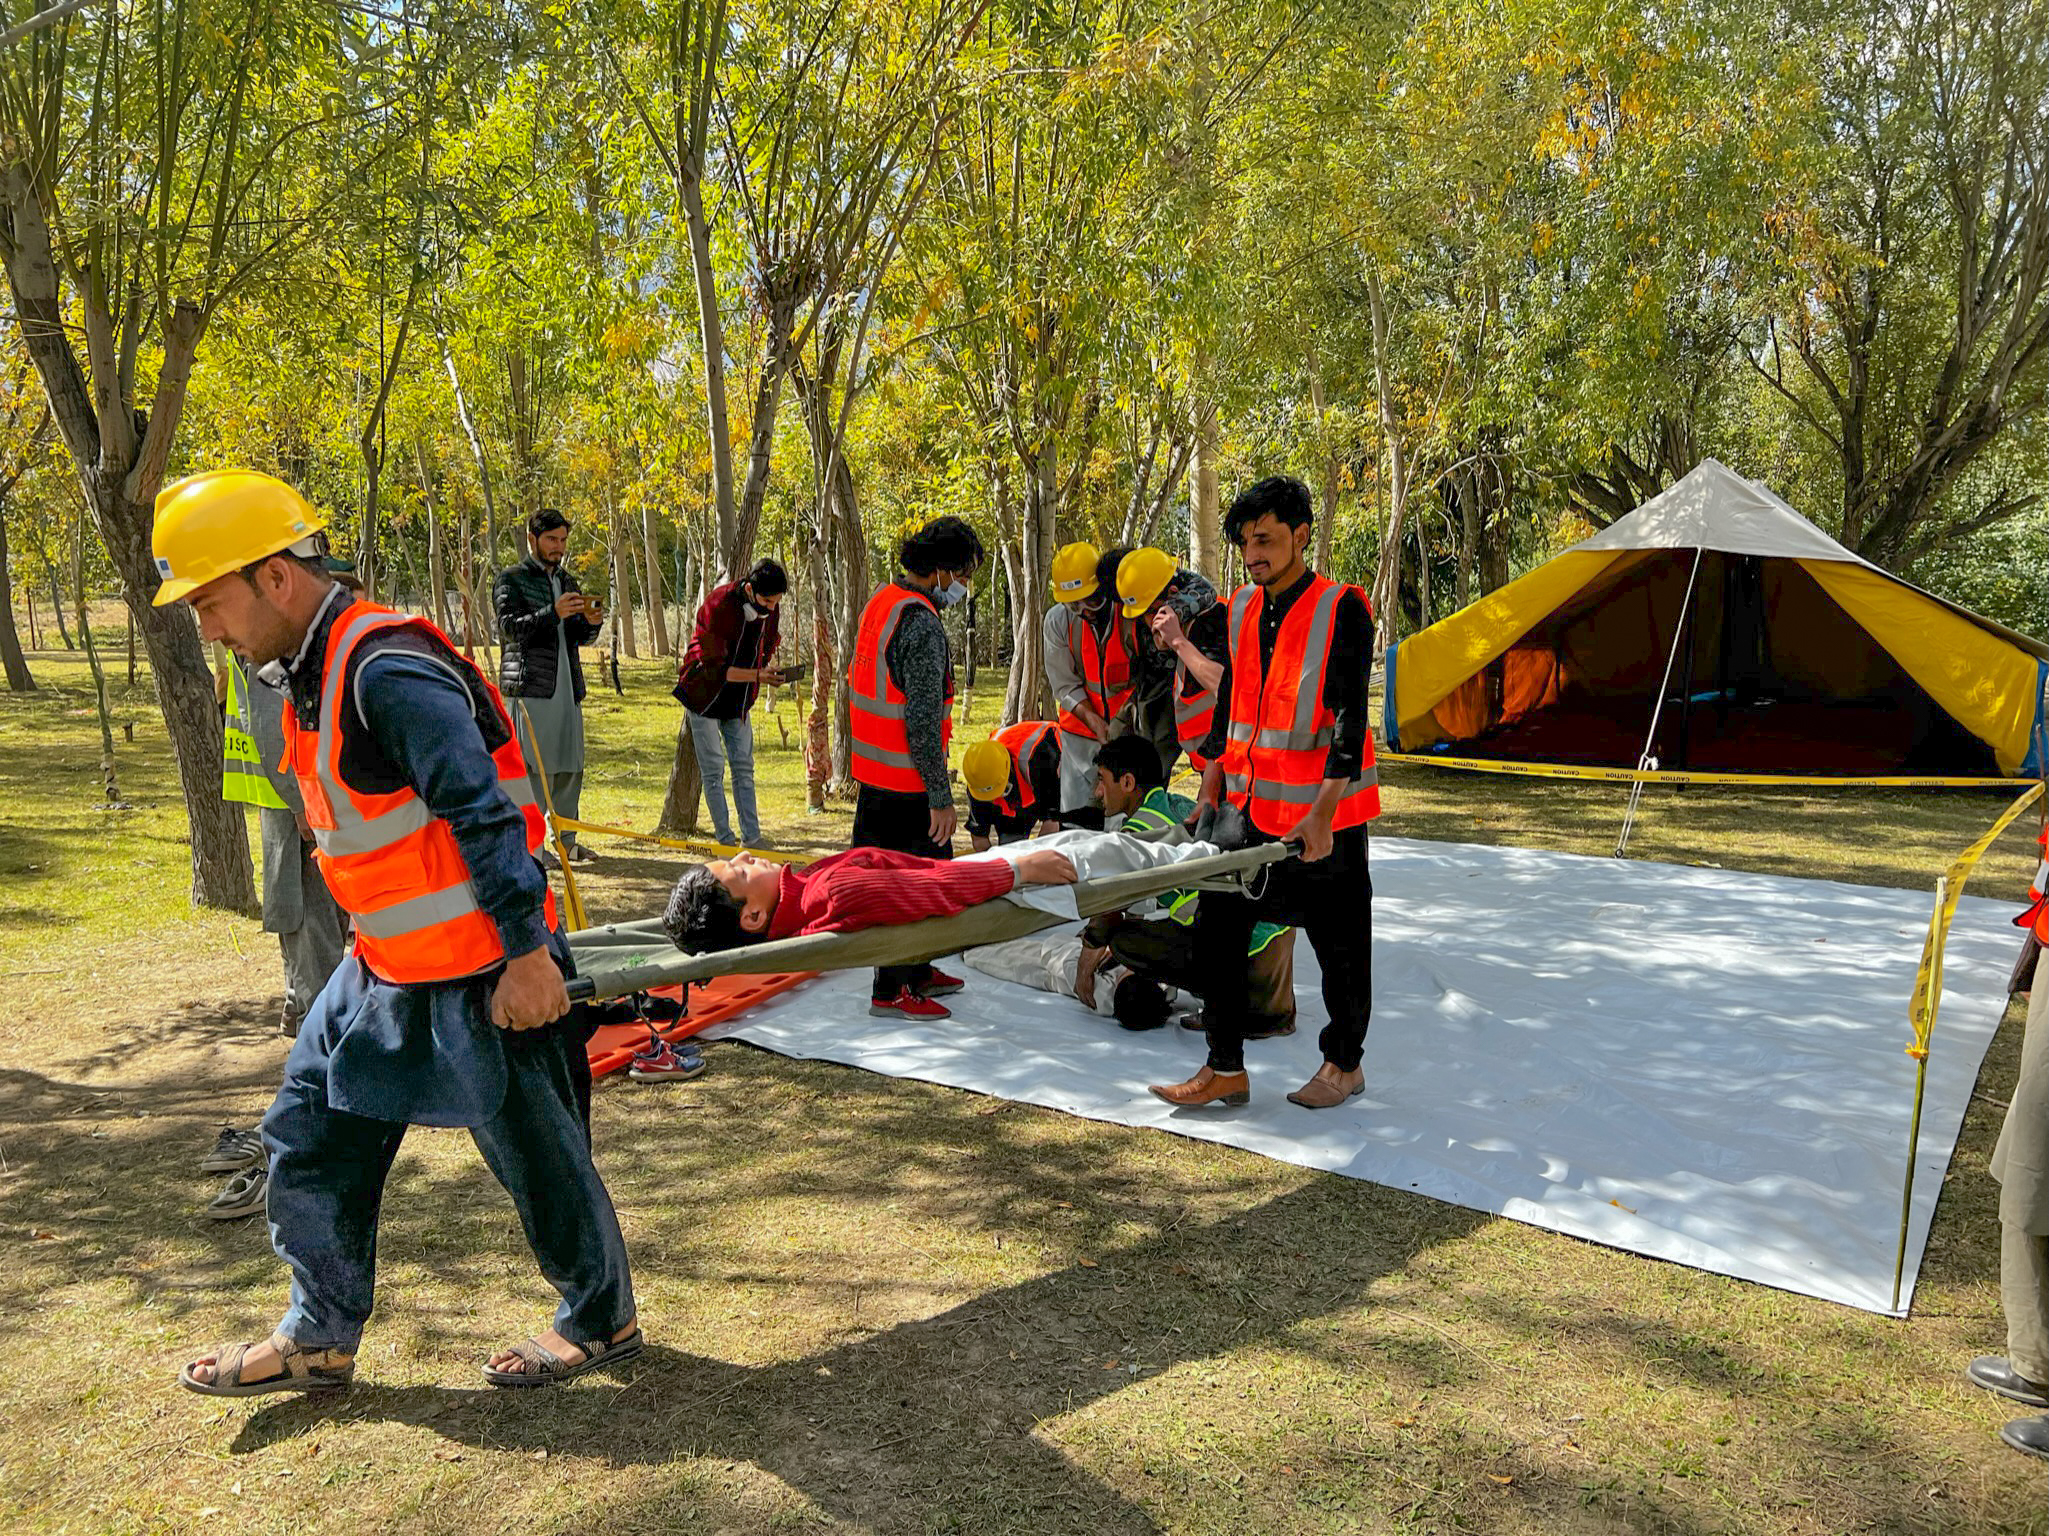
946	597
752	611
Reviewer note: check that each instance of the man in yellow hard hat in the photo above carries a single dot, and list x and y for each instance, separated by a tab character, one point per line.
1089	664
1013	783
1182	643
446	1012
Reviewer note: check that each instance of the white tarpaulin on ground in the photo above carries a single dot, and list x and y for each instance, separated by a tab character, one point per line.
1695	1064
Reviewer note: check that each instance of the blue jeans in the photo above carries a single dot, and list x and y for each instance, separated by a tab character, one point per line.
719	743
328	1167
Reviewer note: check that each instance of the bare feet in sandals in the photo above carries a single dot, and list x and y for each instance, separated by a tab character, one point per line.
274	1365
570	1359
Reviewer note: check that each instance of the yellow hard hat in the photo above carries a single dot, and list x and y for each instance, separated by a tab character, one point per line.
210	524
985	768
1074	573
1142	576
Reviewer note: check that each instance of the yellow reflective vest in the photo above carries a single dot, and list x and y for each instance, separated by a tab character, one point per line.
242	775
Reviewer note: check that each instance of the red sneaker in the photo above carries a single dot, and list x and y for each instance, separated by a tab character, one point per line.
908	1005
939	984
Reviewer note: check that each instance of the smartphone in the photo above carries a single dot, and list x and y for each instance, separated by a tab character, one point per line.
791	674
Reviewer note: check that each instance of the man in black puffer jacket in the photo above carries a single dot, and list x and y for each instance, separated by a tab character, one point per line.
543	617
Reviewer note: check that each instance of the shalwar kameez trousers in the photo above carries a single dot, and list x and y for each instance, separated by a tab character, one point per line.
406	728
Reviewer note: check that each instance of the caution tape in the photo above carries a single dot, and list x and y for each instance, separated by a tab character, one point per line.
1928	978
1668	776
1927	1000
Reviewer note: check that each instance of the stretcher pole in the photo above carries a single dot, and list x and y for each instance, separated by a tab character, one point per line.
571	900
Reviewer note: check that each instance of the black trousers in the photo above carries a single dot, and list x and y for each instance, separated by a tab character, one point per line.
885	818
1331	901
1165	951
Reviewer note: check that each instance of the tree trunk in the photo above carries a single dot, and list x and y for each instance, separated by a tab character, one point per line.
651	550
1327	517
19	678
120	473
1205	513
824	671
686	785
222	875
1031	573
437	560
110	789
622	582
57	601
1387	577
712	335
768	395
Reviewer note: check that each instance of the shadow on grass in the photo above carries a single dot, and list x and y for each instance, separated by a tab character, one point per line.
942	1413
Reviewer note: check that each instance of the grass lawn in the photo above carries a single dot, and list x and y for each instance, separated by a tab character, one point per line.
880	1306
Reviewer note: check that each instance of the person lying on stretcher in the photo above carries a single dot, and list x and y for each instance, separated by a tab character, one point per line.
747	900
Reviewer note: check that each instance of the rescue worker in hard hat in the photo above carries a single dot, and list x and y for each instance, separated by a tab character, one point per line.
1180	625
450	1011
1089	664
1013	783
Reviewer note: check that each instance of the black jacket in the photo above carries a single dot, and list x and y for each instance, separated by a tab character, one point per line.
527	631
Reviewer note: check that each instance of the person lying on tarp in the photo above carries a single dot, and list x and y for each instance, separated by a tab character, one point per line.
747	900
1127	966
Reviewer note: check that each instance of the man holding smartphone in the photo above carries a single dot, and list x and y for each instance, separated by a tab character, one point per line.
543	617
732	646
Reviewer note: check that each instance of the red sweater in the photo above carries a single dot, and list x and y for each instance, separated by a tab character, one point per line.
872	887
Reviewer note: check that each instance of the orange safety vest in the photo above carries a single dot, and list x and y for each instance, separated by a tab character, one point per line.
1021	741
392	864
1194	713
882	743
2036	918
1105	668
1280	730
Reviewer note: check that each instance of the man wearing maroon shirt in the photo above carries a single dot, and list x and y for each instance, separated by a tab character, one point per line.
744	899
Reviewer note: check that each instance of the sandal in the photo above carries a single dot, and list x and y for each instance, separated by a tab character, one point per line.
305	1370
544	1367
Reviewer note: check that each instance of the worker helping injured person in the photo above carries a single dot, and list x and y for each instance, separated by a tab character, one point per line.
1132	967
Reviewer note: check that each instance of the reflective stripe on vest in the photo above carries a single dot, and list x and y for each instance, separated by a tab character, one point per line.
1104	663
1194	714
392	864
881	745
1280	730
1020	741
242	777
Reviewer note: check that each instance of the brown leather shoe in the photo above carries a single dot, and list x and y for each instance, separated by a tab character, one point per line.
1329	1088
1207	1087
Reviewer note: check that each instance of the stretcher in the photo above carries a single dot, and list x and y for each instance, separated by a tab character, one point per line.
621	959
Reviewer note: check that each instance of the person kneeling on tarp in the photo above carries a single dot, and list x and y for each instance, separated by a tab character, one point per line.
747	900
1129	968
1132	783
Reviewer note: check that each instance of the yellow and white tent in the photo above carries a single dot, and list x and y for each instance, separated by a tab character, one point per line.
1756	642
